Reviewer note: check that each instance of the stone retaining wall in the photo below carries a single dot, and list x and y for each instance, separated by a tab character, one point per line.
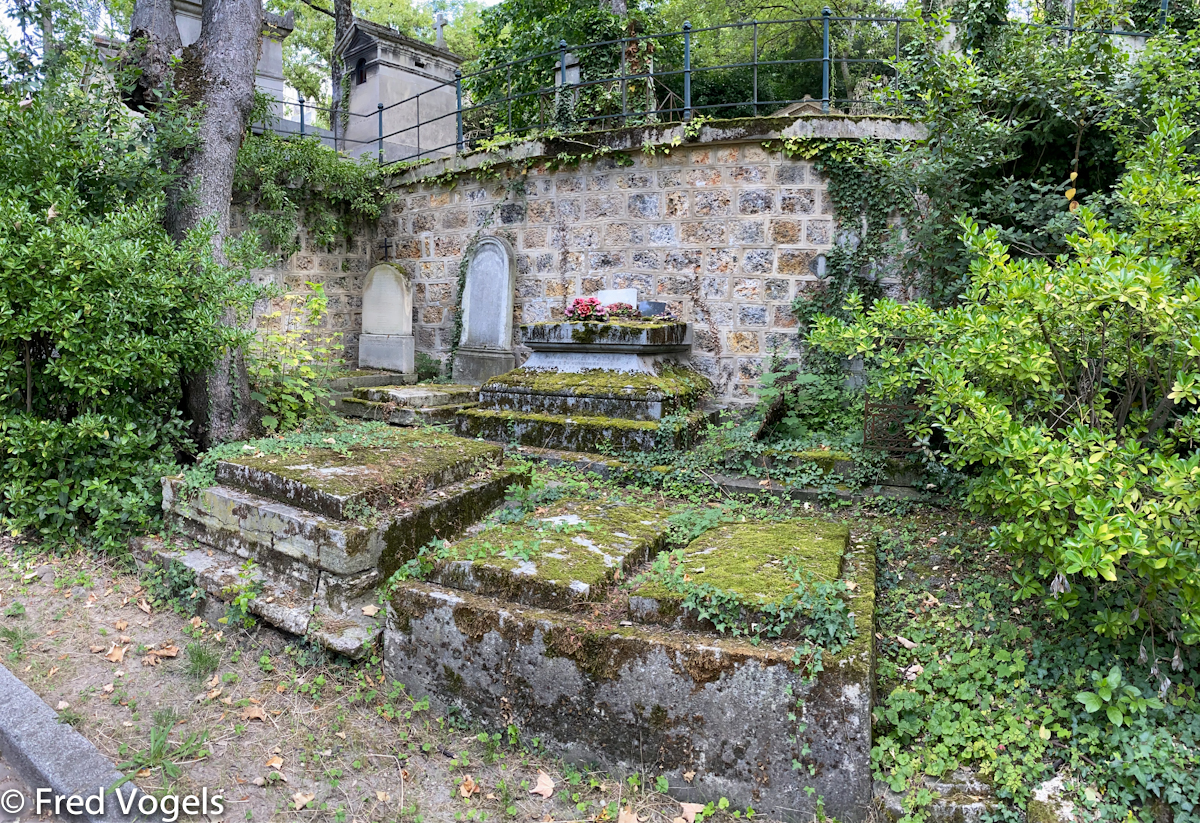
724	230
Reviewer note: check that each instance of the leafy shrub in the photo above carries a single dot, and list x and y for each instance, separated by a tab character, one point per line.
101	311
290	359
428	368
1071	386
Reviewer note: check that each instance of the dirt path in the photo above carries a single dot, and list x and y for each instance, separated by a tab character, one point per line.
266	722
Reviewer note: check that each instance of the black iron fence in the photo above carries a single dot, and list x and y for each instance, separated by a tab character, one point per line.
823	64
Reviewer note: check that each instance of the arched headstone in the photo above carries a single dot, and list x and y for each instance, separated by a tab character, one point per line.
485	348
387	341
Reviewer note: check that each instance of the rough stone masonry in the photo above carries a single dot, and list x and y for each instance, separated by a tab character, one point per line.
725	230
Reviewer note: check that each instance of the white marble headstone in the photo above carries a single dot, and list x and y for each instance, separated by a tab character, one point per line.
387	302
609	296
487	301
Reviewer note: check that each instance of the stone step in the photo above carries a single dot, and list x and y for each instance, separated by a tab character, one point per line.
578	433
419	397
570	405
300	544
329	613
569	552
756	561
398	415
390	466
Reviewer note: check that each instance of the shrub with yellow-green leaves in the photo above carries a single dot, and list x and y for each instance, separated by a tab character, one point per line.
1069	388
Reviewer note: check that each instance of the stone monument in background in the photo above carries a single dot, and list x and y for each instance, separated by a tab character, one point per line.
485	347
415	83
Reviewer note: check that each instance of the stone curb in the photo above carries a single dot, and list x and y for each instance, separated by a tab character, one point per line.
606	467
50	754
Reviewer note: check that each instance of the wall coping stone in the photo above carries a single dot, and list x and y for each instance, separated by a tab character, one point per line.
741	130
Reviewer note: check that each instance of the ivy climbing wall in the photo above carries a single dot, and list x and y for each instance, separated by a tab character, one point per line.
727	234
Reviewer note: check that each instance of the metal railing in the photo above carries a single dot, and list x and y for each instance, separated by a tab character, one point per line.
733	70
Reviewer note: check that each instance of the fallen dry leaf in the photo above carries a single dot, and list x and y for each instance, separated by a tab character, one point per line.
281	688
690	810
913	671
382	797
469	787
144	606
254	713
626	815
62	706
341	735
166	651
544	787
108	688
851	585
214	680
95	649
116	654
53	671
196	622
301	799
908	644
689	776
370	611
150	660
275	762
121	625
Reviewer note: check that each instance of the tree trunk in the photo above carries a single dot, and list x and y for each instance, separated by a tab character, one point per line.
216	76
155	38
343	19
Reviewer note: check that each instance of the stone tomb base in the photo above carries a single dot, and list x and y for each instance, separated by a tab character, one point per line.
322	528
409	405
532	625
593	385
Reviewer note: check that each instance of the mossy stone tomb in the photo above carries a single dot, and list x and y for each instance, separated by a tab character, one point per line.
542	622
587	385
324	524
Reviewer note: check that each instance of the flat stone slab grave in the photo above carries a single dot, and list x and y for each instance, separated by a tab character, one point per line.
324	524
409	405
608	666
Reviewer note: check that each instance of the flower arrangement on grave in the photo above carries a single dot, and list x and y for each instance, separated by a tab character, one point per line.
587	309
621	310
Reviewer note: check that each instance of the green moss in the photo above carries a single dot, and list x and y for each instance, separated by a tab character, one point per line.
397	465
748	559
566	552
682	385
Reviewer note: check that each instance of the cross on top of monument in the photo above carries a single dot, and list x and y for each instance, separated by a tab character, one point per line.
440	22
386	244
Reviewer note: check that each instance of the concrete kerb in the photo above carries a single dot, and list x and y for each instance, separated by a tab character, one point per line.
49	754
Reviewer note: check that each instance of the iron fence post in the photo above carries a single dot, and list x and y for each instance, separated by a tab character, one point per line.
825	12
458	91
418	101
624	84
1162	14
301	115
687	70
510	98
380	118
755	62
562	65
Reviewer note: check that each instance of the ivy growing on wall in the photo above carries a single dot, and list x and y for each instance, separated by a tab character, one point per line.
866	236
287	182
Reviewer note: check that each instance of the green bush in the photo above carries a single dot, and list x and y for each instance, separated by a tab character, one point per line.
101	311
1070	386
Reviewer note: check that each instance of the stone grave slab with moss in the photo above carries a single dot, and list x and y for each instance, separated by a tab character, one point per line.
591	386
620	662
408	405
326	518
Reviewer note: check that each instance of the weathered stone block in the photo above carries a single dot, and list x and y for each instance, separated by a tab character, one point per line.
607	694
